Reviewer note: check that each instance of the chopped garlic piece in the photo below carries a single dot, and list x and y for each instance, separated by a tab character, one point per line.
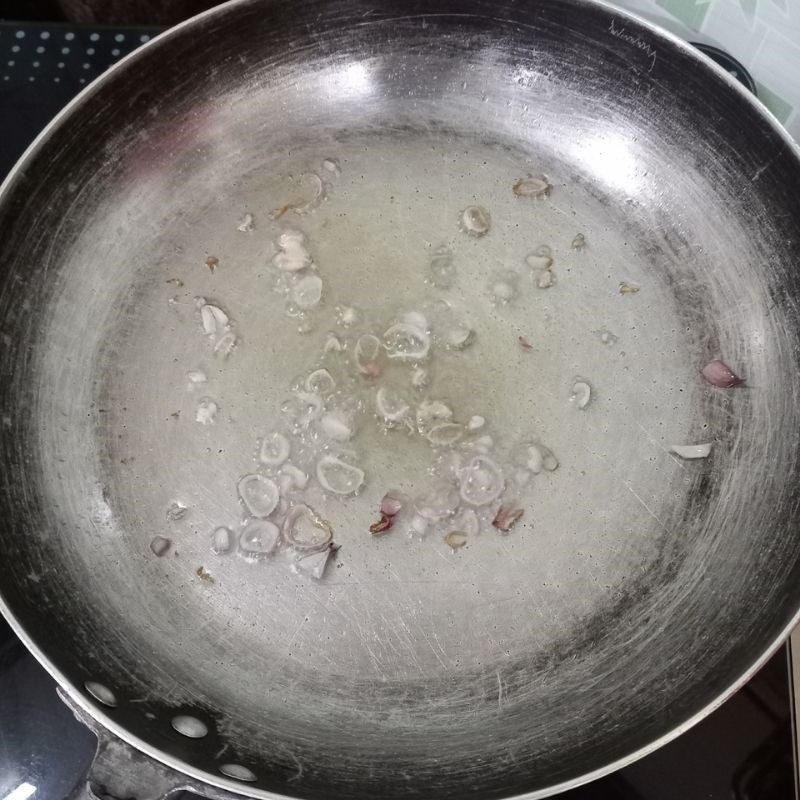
690	451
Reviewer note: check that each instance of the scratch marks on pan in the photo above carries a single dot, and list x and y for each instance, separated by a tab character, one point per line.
299	764
295	634
559	210
646	507
358	617
511	555
636	41
659	445
757	174
499	690
630	488
422	631
434	644
443	557
221	751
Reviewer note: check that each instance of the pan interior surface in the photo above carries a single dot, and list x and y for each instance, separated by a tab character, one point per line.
636	587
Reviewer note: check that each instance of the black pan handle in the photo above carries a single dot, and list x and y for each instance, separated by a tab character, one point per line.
728	63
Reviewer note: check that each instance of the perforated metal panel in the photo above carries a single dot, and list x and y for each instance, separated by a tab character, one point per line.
43	66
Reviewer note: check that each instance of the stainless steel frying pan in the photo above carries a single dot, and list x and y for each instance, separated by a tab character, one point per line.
638	590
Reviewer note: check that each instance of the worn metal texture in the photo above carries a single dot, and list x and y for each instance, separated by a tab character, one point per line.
637	591
119	771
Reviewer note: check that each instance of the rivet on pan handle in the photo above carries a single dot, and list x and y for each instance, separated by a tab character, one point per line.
120	772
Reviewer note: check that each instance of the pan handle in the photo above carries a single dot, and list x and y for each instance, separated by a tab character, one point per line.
728	63
120	772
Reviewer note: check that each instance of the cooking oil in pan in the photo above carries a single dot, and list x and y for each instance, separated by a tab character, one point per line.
398	371
440	333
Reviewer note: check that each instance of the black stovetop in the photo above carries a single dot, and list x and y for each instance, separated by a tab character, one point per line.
742	751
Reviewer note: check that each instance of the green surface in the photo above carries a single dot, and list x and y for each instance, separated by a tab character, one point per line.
776	104
749	8
689	12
